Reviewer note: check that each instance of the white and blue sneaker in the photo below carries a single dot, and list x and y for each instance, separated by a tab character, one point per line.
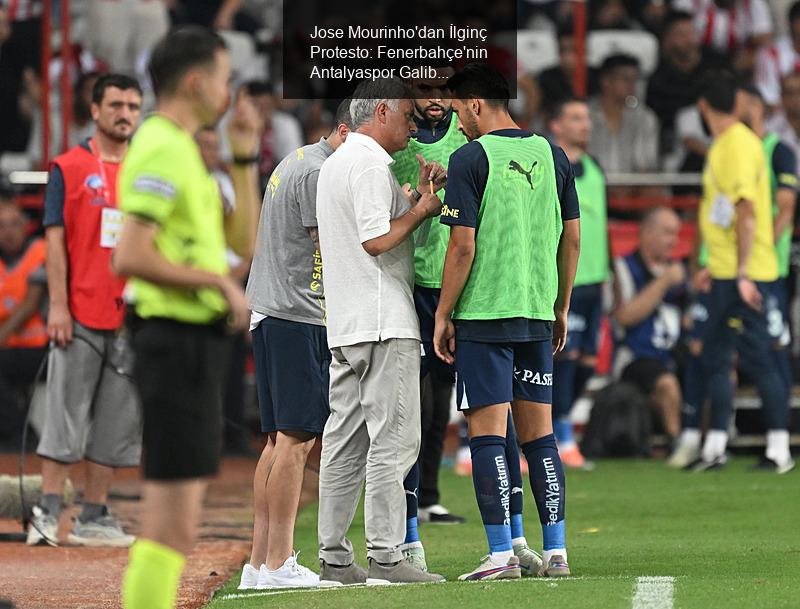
489	570
530	563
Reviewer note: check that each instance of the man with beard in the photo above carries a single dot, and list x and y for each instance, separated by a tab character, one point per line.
506	283
436	138
172	244
92	411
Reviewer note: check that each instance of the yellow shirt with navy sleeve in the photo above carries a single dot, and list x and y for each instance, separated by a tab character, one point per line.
164	180
736	169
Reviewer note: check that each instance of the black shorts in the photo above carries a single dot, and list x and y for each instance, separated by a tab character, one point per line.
292	375
425	302
180	370
645	371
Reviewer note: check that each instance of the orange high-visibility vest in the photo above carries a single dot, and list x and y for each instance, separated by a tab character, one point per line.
13	287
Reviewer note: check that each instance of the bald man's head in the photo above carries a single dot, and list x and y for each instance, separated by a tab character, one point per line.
658	233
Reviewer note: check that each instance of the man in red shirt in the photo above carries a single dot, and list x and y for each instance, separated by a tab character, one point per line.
92	408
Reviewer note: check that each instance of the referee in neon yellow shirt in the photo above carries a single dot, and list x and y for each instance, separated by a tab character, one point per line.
736	224
172	246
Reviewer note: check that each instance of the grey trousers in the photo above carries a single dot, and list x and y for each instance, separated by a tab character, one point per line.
372	434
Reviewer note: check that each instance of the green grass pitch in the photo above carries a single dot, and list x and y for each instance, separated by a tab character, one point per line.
731	540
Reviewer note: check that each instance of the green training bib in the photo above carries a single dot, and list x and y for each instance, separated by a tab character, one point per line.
432	236
593	264
515	272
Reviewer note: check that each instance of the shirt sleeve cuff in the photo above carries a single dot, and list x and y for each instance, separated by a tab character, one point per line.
450	221
372	233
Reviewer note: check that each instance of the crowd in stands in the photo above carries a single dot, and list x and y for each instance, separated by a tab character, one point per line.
643	103
642	85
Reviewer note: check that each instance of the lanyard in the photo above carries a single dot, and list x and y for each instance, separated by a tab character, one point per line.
101	167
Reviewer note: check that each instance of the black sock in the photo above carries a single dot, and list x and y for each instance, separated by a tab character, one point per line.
92	511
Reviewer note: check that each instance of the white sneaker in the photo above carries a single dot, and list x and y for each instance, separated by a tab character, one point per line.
249	580
101	532
43	528
262	578
683	455
292	575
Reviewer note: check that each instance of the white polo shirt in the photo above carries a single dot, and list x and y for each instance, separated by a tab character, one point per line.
368	298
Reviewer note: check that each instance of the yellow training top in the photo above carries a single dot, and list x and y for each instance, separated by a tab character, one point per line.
736	169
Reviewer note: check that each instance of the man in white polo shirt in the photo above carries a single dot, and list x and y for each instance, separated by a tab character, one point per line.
365	223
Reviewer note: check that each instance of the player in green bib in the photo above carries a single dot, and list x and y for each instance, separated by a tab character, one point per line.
436	138
172	245
506	285
571	128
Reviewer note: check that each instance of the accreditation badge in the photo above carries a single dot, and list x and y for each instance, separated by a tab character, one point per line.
110	227
722	211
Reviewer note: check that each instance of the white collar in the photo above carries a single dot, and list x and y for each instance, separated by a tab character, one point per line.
369	143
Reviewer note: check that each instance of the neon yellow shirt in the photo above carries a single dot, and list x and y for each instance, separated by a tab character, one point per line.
164	180
736	169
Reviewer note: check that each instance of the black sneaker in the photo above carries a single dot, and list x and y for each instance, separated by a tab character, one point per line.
701	465
768	465
438	514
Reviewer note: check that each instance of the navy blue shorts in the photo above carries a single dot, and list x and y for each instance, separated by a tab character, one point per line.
775	306
583	321
732	324
292	375
495	373
425	301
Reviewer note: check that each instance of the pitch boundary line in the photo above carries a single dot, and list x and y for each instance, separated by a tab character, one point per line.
533	581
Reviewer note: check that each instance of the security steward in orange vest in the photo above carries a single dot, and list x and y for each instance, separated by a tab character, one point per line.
23	333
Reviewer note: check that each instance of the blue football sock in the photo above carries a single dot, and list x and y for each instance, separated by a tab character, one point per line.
492	489
549	488
515	503
412	530
562	428
411	485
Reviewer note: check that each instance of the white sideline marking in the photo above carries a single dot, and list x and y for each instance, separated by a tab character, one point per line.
653	593
527	581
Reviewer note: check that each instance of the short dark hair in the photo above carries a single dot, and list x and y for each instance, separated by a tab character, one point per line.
481	81
672	18
617	61
794	11
342	116
258	87
179	51
557	107
118	81
718	88
751	90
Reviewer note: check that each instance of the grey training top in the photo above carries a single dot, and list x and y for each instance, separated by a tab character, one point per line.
286	275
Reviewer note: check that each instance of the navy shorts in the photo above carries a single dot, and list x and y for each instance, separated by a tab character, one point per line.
775	306
292	375
583	321
425	302
495	373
